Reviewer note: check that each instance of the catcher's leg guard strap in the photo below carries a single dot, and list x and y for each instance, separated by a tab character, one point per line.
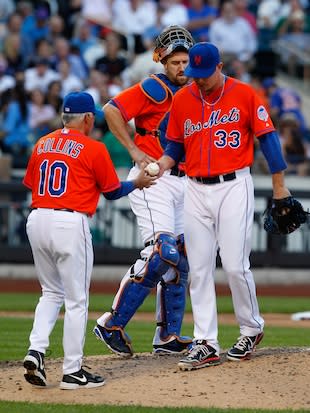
173	300
136	290
165	255
129	301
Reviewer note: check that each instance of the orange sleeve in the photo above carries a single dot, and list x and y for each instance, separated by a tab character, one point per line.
104	170
131	102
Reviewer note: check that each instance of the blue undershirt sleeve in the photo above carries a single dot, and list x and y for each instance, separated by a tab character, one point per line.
175	150
125	189
271	148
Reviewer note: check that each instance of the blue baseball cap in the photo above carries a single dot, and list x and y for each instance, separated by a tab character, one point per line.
203	59
80	102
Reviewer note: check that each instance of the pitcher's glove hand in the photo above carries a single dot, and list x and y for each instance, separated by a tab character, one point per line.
284	216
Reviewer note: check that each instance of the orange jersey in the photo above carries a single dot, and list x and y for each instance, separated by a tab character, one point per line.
69	170
218	138
134	103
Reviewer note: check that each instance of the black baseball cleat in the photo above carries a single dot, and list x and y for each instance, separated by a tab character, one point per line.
201	355
244	347
34	365
179	345
81	380
116	340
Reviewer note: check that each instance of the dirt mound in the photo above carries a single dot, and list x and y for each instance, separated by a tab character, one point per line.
275	378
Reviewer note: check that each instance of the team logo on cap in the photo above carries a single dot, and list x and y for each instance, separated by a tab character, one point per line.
262	113
67	109
197	59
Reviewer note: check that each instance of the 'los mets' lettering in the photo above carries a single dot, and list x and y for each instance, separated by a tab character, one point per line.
215	119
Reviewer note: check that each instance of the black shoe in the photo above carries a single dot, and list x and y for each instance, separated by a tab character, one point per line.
201	355
80	379
179	345
244	347
34	365
115	338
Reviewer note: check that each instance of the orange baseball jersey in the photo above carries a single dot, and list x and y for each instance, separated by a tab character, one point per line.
135	103
69	170
218	138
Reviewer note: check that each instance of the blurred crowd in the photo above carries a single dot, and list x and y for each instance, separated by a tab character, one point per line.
50	48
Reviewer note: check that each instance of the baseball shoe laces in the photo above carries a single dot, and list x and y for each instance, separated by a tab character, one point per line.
201	355
244	347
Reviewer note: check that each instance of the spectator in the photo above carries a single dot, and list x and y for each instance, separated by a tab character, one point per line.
96	79
175	12
6	9
238	70
143	64
200	16
40	76
284	100
69	81
15	133
56	26
53	98
14	25
268	13
6	81
131	19
44	51
36	27
293	145
13	53
99	14
113	62
78	66
70	12
83	38
41	115
242	10
293	45
233	35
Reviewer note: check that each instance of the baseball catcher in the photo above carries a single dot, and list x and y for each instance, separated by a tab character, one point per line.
163	262
284	216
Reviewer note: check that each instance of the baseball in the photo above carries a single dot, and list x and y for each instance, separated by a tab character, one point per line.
152	169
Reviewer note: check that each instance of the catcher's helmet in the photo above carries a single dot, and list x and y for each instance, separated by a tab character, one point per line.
171	40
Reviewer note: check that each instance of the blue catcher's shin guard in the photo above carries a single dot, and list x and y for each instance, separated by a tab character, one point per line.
137	289
173	297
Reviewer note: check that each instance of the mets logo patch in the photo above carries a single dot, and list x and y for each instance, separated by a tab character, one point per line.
262	113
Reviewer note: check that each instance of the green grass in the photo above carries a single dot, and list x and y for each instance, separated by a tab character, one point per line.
102	302
17	407
15	333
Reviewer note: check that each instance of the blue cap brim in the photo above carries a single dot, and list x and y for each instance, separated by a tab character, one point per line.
199	73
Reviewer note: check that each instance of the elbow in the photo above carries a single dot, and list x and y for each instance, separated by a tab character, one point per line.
111	112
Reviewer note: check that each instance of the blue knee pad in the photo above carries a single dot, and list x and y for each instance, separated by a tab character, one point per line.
137	289
174	297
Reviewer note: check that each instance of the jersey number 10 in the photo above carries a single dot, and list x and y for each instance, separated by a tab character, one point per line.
53	178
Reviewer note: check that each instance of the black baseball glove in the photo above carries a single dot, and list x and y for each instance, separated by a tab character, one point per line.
284	216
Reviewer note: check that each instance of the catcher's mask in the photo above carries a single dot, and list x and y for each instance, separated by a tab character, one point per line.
172	39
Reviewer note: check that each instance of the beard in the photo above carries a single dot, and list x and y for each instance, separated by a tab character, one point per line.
181	80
